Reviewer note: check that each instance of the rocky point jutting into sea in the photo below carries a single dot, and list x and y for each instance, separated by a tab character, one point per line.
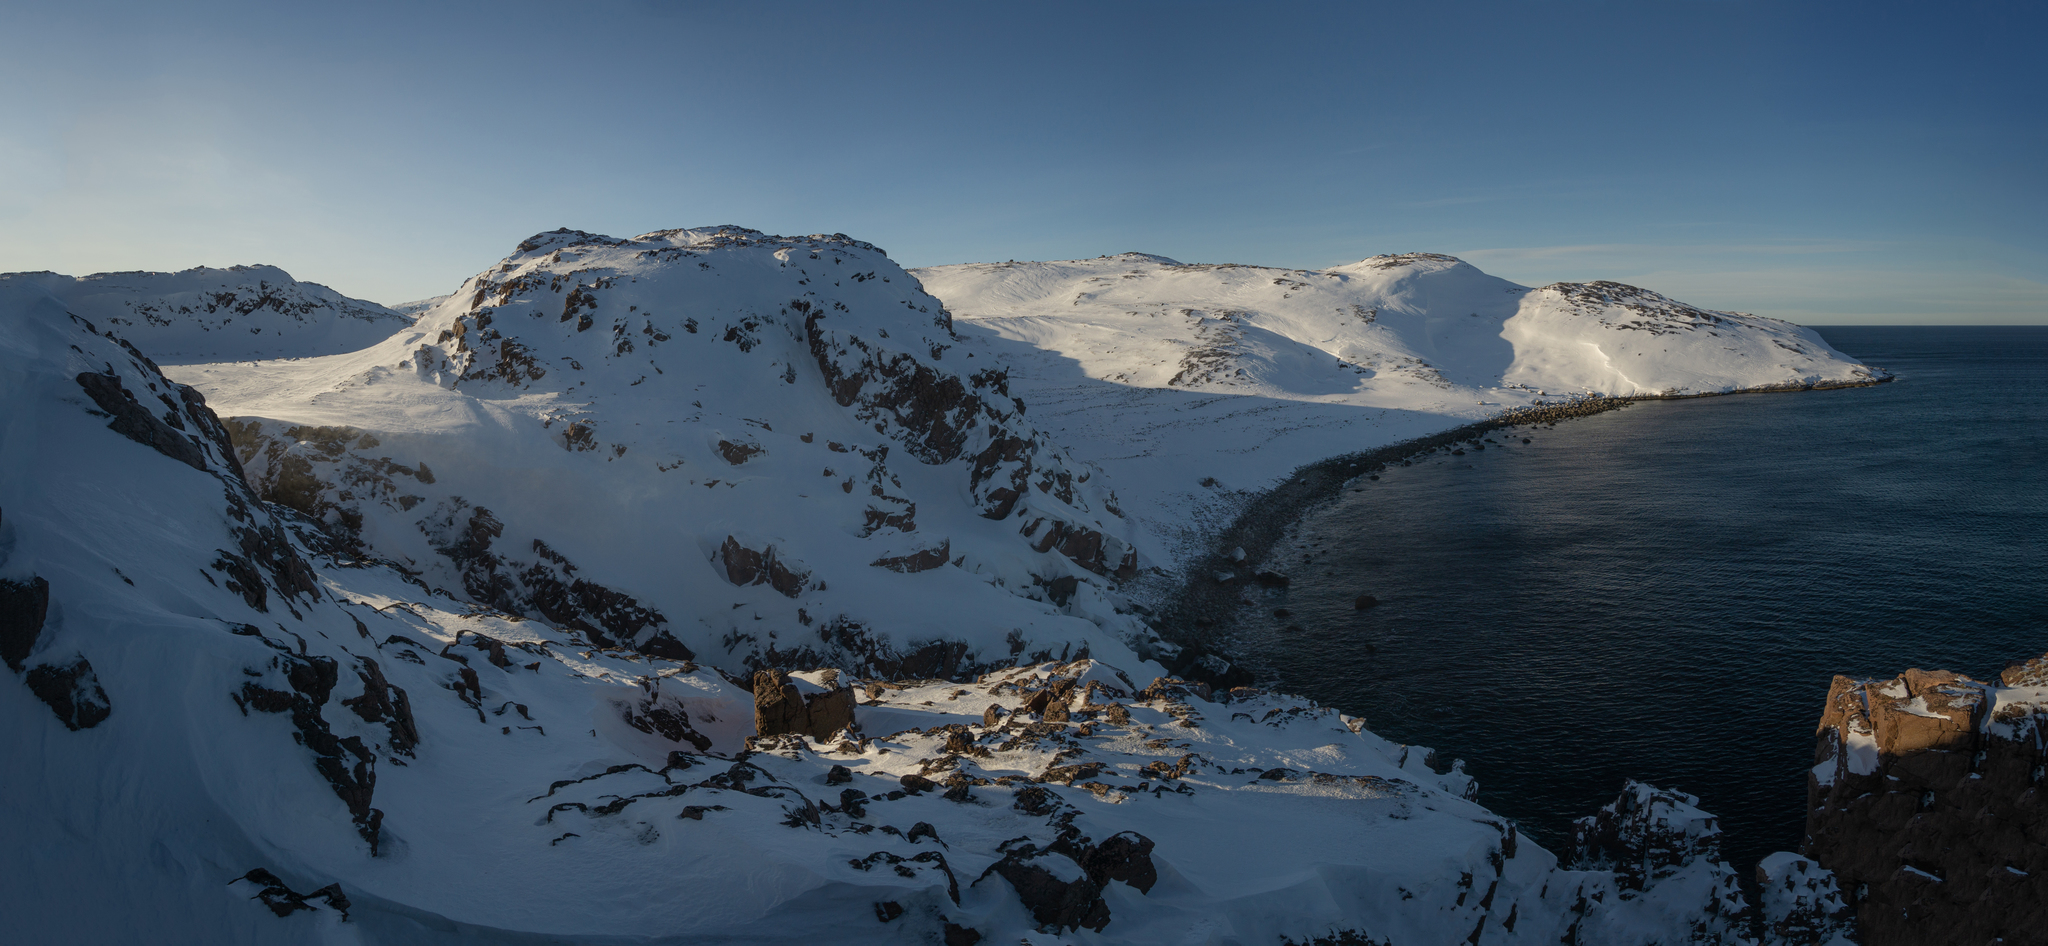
743	586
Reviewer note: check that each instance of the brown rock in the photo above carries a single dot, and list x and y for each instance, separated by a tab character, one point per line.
1926	804
745	566
781	709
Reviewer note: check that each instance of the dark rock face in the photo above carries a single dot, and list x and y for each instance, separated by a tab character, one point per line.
933	412
781	709
934	416
382	702
135	422
24	605
1036	874
325	474
923	560
547	587
72	691
1056	904
1926	802
745	566
347	765
70	688
657	716
283	901
1126	857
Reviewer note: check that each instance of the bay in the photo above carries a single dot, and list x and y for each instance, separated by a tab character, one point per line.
1664	592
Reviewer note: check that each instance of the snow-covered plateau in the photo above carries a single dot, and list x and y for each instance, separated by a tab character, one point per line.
710	586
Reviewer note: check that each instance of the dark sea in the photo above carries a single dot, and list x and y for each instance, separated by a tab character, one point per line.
1665	591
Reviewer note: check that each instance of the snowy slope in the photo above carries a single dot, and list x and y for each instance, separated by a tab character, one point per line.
761	451
206	314
1167	374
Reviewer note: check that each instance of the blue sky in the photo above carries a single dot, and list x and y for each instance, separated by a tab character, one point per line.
1826	163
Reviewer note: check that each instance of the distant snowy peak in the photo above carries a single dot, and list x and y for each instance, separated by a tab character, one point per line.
206	314
417	306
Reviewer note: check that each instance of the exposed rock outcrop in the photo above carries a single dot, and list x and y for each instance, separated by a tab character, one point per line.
781	707
24	606
345	762
1802	903
1925	800
1666	857
72	691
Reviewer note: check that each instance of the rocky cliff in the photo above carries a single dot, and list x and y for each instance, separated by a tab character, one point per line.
1926	801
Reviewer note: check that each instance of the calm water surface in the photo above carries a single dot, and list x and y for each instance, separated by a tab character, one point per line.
1664	592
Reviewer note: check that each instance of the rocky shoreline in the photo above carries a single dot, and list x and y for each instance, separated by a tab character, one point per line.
1203	602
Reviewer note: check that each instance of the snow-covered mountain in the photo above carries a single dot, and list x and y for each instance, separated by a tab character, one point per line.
753	450
1186	381
236	314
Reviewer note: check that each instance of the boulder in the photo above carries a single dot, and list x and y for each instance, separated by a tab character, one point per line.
782	708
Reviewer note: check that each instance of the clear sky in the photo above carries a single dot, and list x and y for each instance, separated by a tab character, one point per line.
1825	163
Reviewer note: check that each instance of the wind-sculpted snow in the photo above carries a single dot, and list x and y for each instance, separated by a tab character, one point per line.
1189	383
205	314
764	451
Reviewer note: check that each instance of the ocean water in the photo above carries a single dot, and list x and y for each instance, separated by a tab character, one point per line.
1664	592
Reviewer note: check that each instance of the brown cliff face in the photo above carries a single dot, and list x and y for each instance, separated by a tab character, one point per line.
1926	802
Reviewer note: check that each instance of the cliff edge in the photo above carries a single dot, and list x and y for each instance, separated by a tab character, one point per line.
1925	800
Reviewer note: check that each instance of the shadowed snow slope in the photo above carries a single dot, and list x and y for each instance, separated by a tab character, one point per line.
233	314
754	450
1168	374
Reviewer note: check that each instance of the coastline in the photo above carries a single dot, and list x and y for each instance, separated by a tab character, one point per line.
1202	603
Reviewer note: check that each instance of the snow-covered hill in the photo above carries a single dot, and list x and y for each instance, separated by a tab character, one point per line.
1185	382
235	314
754	450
